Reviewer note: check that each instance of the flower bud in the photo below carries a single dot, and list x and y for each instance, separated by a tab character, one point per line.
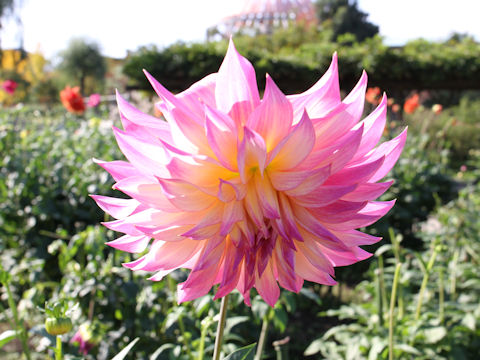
58	326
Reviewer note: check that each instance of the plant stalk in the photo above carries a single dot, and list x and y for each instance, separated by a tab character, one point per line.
58	349
391	318
220	328
424	283
262	338
19	326
441	297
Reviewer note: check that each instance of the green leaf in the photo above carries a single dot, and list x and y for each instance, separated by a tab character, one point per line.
7	336
121	355
435	334
160	350
314	347
244	353
233	321
408	349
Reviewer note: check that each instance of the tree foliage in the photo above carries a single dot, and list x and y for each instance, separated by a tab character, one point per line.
344	16
83	60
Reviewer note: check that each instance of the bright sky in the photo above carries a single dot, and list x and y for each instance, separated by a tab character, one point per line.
121	25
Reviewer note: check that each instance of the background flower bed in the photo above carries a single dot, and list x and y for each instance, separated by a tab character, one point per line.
54	248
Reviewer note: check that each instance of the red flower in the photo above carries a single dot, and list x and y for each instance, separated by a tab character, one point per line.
72	99
373	95
9	86
411	104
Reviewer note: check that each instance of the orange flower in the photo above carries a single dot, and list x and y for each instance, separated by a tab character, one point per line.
72	99
373	95
395	108
411	104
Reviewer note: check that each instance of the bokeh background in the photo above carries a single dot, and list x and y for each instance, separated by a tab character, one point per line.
61	62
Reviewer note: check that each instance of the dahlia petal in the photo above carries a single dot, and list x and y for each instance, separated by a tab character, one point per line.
356	238
266	286
339	211
391	150
252	154
165	255
337	154
306	270
373	127
322	196
367	191
191	135
230	273
267	197
118	169
160	275
149	158
145	191
209	225
284	263
288	180
185	196
275	112
310	226
312	182
222	137
232	213
204	173
236	91
321	97
200	93
356	174
131	244
253	208
295	147
344	258
129	224
316	256
373	211
118	208
164	233
160	128
170	100
287	222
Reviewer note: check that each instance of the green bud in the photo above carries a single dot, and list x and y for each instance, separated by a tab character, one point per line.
58	326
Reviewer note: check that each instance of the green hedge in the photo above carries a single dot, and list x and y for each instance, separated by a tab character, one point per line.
418	65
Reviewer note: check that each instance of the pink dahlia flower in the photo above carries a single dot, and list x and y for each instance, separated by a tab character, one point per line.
9	86
94	100
249	192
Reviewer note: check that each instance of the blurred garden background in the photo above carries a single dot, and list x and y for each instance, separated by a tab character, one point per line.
56	116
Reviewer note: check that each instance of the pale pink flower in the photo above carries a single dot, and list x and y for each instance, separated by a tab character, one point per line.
249	192
93	100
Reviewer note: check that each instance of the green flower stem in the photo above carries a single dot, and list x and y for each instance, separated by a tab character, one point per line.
395	244
263	337
19	326
205	326
424	282
391	318
441	297
453	275
382	290
184	338
220	328
58	349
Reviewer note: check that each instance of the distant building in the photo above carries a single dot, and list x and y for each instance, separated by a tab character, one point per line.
263	16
